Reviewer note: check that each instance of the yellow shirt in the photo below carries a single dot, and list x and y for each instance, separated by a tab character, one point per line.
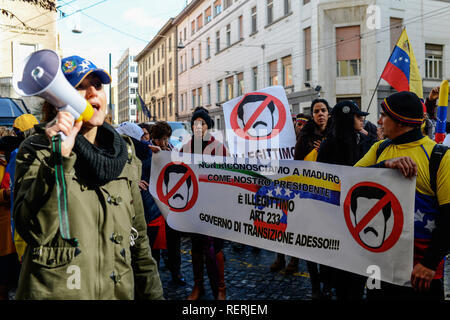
416	150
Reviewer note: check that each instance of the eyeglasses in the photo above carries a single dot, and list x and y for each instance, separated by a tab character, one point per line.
96	83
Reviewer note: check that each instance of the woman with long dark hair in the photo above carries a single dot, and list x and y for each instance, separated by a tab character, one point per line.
308	142
345	144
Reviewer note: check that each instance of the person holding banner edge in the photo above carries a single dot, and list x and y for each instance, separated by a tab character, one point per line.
410	152
106	253
206	249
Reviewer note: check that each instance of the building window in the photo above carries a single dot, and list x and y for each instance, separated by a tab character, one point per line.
163	74
192	27
170	44
199	21
227	4
181	64
159	109
170	69
208	16
154	78
255	78
208	47
194	97
287	71
170	105
163	51
433	61
254	24
396	30
240	28
229	88
184	35
192	57
273	73
159	77
217	7
217	41
348	51
208	94
182	102
219	91
287	7
269	11
228	35
199	52
200	97
307	36
306	1
240	79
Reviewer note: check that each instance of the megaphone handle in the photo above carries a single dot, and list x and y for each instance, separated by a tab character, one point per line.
63	136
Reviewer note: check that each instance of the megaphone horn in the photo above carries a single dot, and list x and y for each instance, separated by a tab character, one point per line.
40	75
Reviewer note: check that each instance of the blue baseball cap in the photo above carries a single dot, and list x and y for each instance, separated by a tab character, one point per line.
75	69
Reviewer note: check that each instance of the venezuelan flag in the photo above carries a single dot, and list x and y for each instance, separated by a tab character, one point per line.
401	71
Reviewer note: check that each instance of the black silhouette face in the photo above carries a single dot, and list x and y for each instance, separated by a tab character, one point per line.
172	176
263	125
363	199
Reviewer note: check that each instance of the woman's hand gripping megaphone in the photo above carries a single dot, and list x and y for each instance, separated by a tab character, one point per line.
64	124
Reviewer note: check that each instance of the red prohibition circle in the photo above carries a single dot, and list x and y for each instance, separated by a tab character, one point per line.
397	213
164	197
269	98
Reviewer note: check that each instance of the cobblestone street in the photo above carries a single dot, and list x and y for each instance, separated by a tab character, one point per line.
248	277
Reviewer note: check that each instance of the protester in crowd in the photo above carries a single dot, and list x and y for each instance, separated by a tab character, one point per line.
300	121
370	130
146	128
23	127
447	136
409	151
306	148
345	144
5	131
93	244
206	249
9	262
160	133
431	102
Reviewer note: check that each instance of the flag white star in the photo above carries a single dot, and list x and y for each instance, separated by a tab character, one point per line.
287	192
278	190
406	60
401	58
270	193
430	225
418	216
395	61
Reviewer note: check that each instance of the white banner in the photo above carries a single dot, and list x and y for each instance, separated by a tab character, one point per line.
259	125
354	219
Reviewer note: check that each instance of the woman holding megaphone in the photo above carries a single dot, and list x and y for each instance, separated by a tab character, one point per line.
78	204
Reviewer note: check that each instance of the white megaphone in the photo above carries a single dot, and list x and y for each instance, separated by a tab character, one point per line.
41	75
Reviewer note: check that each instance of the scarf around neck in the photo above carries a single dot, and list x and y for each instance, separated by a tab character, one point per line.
102	163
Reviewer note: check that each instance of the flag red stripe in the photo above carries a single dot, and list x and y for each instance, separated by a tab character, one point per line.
395	77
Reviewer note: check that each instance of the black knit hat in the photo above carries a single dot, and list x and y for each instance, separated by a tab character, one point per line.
404	107
201	112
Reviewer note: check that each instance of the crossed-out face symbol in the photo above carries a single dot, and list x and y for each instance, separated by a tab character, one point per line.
256	114
364	198
177	197
177	187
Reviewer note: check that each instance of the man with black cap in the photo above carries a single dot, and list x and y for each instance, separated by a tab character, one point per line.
409	151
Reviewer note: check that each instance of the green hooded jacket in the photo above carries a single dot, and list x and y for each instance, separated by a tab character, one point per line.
115	261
